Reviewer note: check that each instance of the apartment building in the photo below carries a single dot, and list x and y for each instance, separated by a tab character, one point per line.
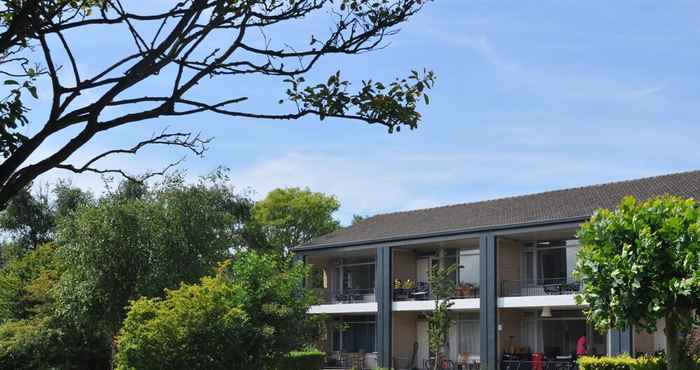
515	289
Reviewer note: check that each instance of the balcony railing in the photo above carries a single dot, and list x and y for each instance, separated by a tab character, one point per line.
422	292
539	287
330	296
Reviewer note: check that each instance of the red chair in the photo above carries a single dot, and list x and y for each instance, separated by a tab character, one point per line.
537	361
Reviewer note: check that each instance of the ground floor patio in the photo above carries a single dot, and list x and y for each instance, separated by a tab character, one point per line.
527	339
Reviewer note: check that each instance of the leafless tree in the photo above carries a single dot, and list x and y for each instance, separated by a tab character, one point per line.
183	43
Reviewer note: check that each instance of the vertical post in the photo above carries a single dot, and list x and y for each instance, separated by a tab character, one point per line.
488	305
384	296
621	341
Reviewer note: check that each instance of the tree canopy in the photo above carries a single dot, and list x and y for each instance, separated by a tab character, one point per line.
123	248
290	217
248	316
30	218
182	45
641	263
63	302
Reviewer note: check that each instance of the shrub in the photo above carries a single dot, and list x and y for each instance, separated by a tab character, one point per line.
303	360
621	363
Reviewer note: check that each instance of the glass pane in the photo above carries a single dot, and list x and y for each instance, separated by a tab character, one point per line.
469	340
451	260
469	269
552	264
358	277
571	261
560	336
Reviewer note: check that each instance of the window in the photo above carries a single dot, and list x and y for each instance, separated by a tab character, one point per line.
356	275
557	336
468	336
358	336
549	261
469	267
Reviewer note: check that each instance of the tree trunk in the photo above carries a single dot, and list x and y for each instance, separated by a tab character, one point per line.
677	355
113	353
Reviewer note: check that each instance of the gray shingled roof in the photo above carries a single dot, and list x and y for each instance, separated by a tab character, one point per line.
551	206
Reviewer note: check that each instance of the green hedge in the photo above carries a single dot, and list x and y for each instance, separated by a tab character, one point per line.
621	363
303	360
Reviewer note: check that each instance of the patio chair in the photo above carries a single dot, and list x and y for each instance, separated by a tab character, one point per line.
553	288
421	292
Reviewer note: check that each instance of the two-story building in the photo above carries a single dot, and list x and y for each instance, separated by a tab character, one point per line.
515	289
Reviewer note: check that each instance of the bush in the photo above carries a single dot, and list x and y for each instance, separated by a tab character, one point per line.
303	360
621	363
248	316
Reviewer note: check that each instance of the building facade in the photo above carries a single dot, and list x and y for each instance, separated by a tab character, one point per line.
514	293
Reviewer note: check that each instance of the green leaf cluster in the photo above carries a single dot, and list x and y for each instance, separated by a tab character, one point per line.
291	217
621	363
640	263
442	288
249	316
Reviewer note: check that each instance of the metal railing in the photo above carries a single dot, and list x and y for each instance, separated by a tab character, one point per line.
331	296
538	365
539	287
422	292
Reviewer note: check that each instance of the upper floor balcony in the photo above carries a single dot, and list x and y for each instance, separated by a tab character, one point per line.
343	278
540	287
412	267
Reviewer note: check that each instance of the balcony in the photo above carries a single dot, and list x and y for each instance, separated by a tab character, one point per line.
346	296
540	287
407	291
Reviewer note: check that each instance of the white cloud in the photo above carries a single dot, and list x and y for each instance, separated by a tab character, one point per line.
362	186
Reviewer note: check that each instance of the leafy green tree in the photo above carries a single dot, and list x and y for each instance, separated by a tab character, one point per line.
179	44
30	335
121	249
641	263
442	287
30	218
356	218
290	217
248	316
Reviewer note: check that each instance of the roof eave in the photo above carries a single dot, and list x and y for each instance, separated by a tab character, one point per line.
465	231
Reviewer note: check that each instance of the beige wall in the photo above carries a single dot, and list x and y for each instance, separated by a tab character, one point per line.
404	334
643	341
508	259
509	319
404	265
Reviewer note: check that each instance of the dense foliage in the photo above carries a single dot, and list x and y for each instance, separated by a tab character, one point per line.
621	363
31	336
641	263
63	301
290	217
248	316
302	360
125	248
30	218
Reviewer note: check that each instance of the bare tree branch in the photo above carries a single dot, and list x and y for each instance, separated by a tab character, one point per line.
187	43
193	143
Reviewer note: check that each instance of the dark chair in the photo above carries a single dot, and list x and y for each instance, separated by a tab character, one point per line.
420	292
553	288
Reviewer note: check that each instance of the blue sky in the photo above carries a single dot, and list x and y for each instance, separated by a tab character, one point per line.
531	96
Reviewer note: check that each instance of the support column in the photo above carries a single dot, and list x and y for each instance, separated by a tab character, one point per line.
488	305
383	292
620	341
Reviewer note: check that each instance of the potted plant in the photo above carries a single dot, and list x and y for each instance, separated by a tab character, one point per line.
399	292
464	290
